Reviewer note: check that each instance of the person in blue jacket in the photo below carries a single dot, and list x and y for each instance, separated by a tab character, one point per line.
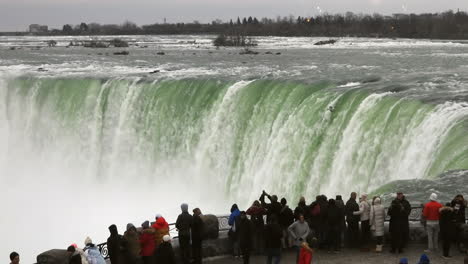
233	236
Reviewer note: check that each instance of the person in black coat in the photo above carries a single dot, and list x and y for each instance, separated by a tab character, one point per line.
334	225
183	225
447	224
286	218
197	236
459	205
405	224
116	246
165	253
273	208
245	233
74	256
302	209
397	214
273	235
341	206
352	234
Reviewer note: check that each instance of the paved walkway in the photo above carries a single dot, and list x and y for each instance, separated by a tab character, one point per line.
354	256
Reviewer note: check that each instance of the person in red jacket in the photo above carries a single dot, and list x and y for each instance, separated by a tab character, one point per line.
305	255
147	243
431	215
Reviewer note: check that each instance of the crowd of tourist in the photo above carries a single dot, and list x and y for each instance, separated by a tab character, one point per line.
268	228
324	223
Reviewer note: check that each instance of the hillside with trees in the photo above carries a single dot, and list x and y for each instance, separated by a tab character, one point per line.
446	25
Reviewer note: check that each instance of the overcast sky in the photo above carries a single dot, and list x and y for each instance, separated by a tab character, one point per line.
16	15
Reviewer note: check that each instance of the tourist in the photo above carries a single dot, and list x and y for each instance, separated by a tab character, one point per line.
301	209
341	206
377	221
334	216
272	208
93	255
352	234
286	218
256	212
323	225
183	225
232	234
147	243
161	229
431	215
424	259
406	212
459	205
115	246
314	216
165	252
82	254
197	236
14	258
396	211
273	241
364	214
305	254
299	231
245	233
447	223
74	256
132	238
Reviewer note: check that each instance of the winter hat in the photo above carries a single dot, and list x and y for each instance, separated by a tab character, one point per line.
184	207
158	216
145	225
88	241
74	245
166	238
130	226
424	259
433	197
403	261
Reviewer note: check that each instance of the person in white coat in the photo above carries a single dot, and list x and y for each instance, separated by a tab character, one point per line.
377	220
364	214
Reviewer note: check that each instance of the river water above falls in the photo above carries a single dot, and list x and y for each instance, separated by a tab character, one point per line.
88	138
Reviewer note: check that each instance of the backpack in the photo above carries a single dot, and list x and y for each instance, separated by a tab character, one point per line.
315	210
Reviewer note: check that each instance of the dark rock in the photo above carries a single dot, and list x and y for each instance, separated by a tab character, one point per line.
278	53
122	53
155	71
326	42
54	256
12	48
41	69
161	53
211	228
269	52
248	52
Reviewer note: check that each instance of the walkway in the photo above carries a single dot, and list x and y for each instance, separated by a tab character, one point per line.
353	256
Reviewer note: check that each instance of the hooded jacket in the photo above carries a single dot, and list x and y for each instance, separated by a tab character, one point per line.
377	218
93	255
116	246
161	228
184	224
147	243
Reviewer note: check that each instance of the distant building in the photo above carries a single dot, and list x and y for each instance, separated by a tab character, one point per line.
36	28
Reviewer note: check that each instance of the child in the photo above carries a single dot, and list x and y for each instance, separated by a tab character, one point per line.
305	255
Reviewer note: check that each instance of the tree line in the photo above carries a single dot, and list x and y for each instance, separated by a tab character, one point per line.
445	25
